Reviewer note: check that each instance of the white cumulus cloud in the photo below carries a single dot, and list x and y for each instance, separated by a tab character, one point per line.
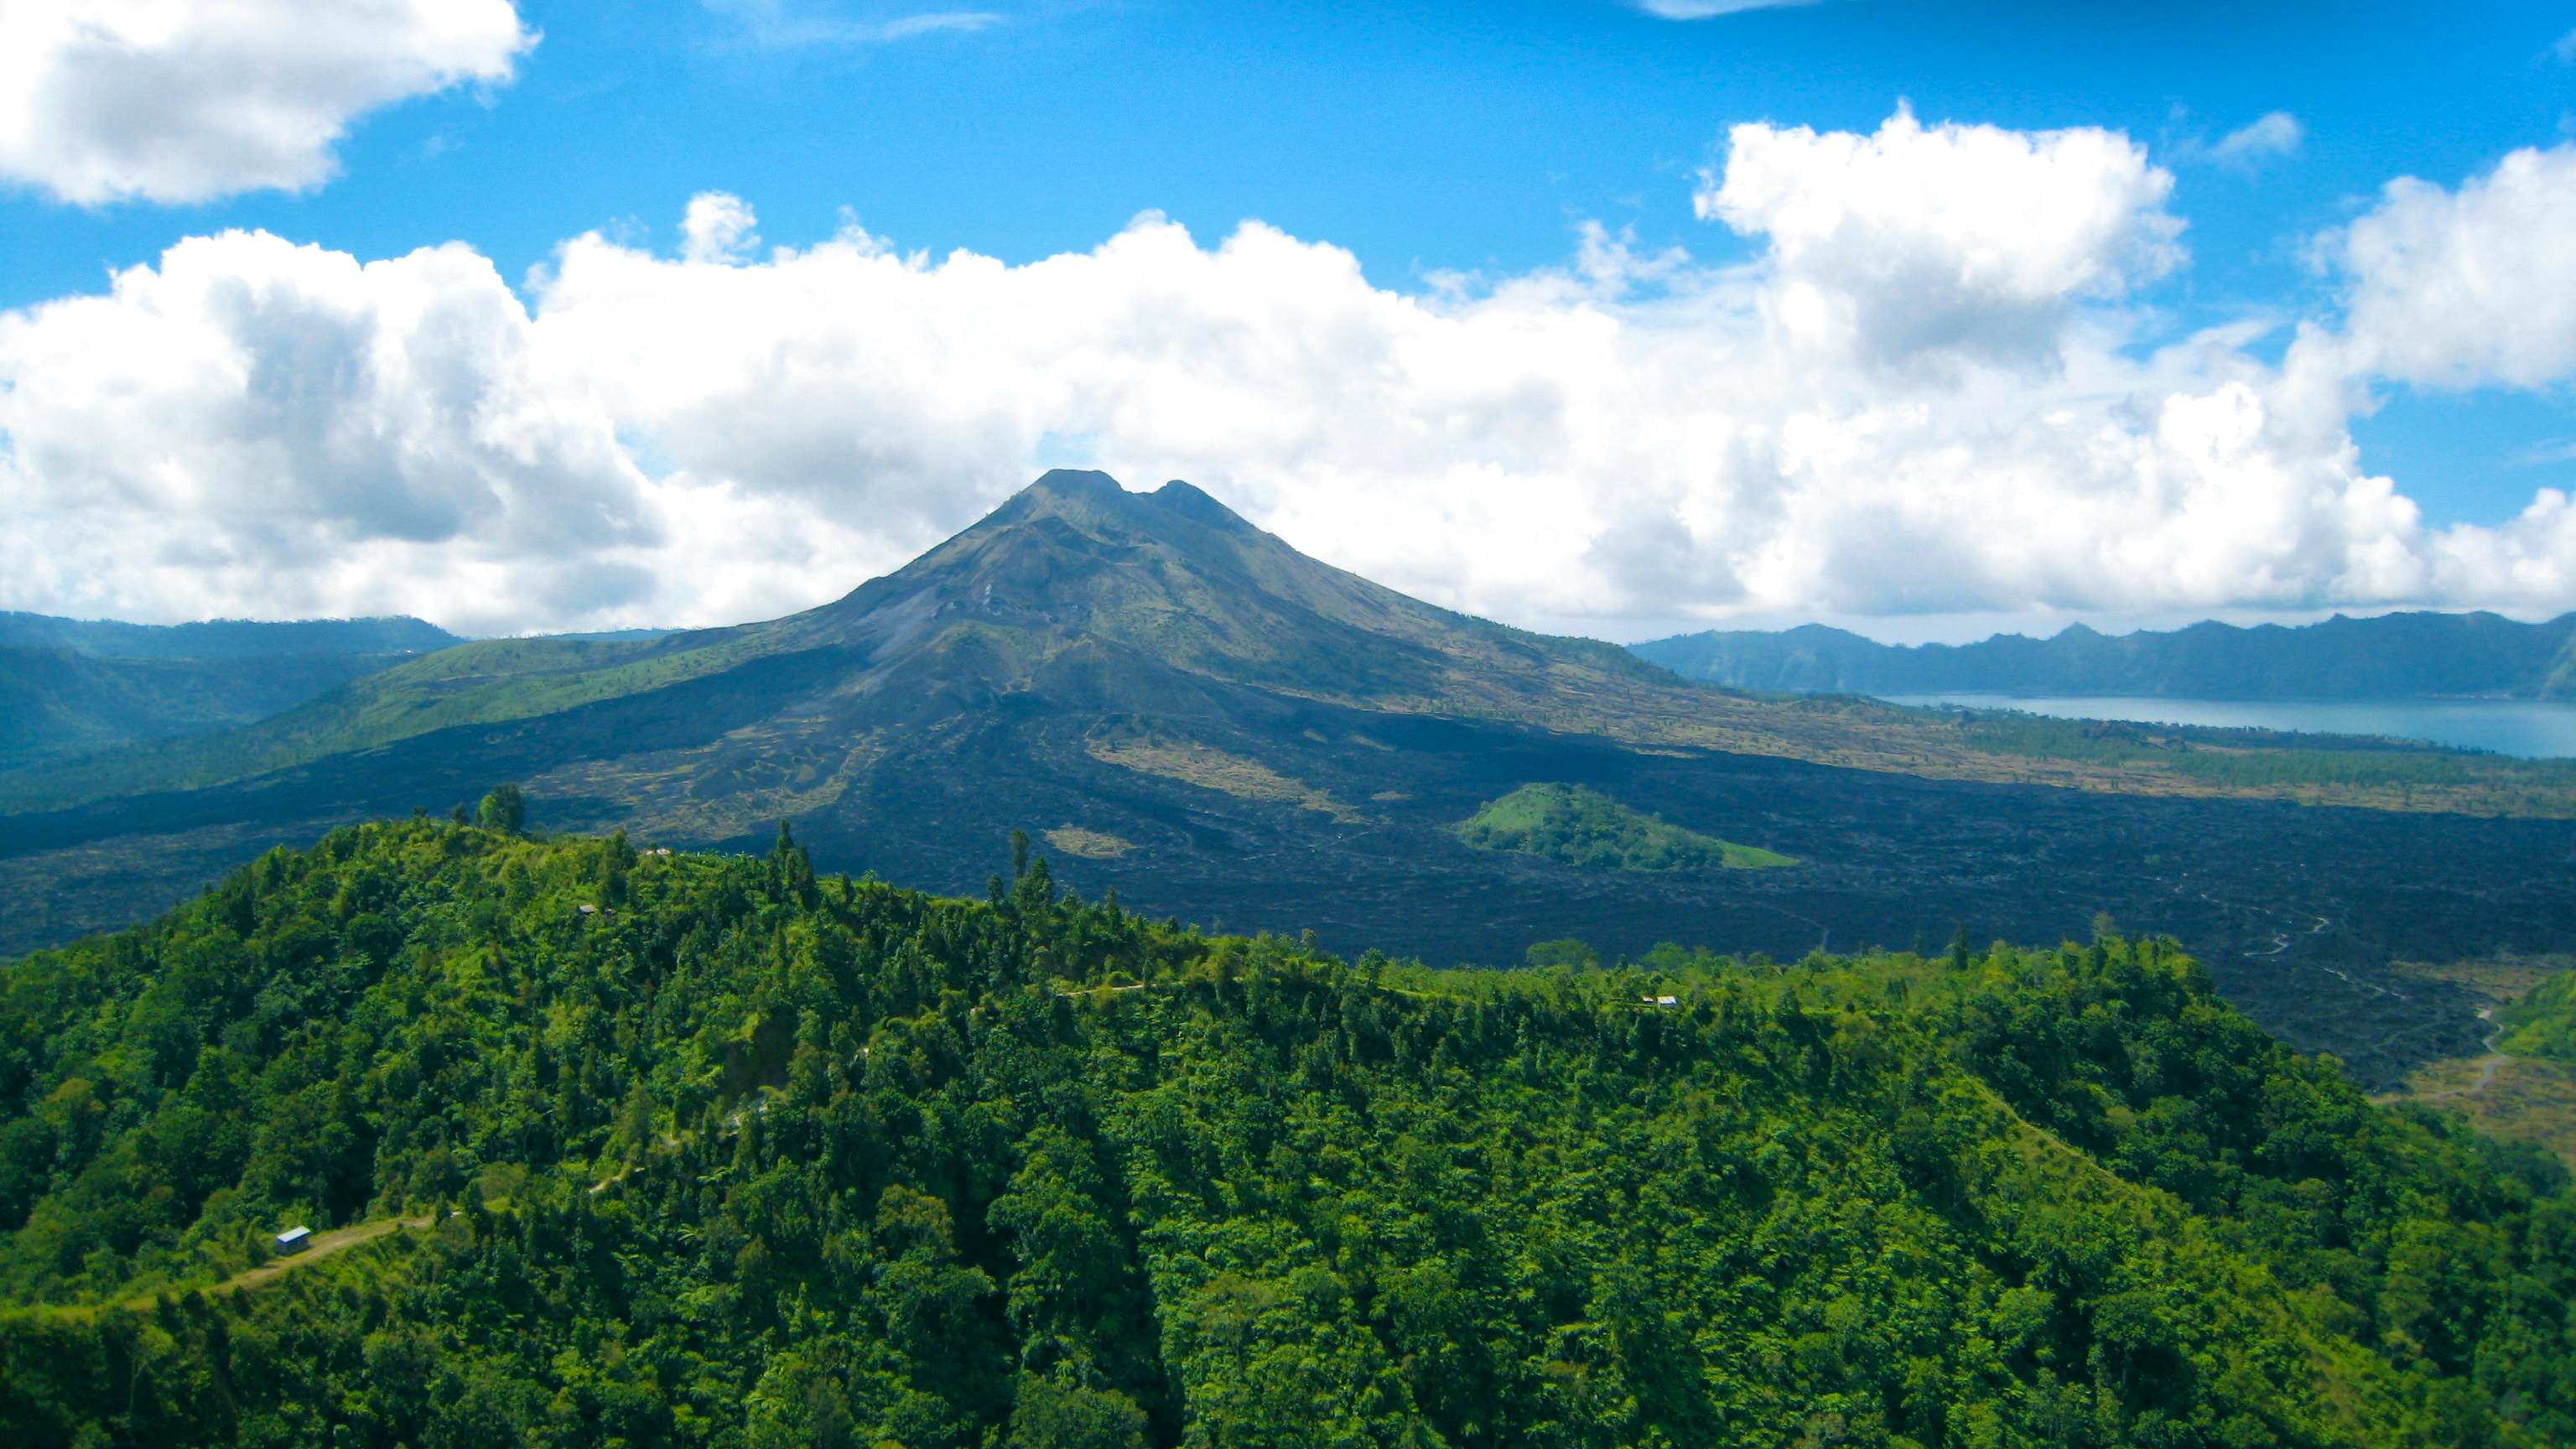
254	417
2459	288
1929	391
182	100
1956	239
717	227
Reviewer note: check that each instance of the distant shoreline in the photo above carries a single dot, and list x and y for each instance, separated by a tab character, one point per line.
2522	728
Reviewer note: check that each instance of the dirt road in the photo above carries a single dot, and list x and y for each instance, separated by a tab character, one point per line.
324	1245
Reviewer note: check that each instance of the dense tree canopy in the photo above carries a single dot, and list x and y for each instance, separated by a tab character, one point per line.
708	1150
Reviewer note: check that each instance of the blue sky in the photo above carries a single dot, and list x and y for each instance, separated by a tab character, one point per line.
1425	140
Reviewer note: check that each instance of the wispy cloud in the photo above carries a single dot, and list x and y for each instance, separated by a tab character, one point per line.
937	20
2542	454
2276	134
1709	9
2266	138
781	23
2564	50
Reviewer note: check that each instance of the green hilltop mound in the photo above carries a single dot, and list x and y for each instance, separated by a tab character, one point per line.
712	1150
1587	828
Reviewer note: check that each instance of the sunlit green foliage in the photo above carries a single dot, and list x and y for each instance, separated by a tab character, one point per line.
2543	1023
504	810
759	1159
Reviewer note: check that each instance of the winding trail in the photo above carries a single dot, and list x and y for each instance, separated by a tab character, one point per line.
2487	1064
2493	1059
2283	940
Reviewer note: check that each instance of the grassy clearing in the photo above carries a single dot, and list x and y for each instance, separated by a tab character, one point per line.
324	1247
2525	1090
1089	844
1214	769
2501	978
2509	1098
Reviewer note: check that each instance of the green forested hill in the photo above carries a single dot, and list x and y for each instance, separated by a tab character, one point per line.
1587	828
69	686
212	639
745	1157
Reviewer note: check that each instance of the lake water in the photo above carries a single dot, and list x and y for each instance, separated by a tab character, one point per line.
2528	728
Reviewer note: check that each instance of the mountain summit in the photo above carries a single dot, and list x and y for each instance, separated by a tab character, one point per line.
1172	579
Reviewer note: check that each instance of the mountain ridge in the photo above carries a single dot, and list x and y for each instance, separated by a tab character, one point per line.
212	639
2389	656
75	686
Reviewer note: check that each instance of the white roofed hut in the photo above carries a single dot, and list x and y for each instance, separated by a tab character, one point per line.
294	1240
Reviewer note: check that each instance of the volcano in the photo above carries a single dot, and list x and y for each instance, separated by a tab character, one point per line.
1182	708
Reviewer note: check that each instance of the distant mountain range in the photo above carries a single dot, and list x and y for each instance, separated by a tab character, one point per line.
214	639
2392	656
69	686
